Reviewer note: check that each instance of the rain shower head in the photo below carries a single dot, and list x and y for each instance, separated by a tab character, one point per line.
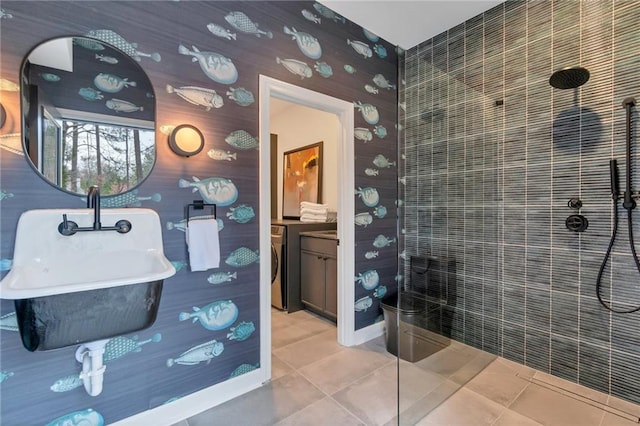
569	78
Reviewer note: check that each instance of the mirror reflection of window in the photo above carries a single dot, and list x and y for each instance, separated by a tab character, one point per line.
116	158
50	164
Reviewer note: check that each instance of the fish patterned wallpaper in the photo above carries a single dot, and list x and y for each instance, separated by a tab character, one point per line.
494	154
203	59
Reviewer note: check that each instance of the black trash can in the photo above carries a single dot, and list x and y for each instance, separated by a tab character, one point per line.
405	327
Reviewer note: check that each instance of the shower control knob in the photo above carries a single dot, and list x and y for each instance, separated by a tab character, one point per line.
576	223
575	203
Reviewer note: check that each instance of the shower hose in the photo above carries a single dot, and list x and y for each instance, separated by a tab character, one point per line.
629	204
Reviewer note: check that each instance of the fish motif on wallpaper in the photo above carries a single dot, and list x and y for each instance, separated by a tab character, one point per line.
382	82
88	44
372	254
4	194
204	352
381	241
220	31
310	16
308	44
368	111
363	219
214	316
90	94
241	96
9	321
222	155
118	41
380	212
380	50
67	383
107	59
88	417
363	134
178	264
4	14
222	277
370	89
120	346
402	180
383	162
243	369
324	69
112	83
371	172
241	139
362	48
380	292
363	304
242	22
217	67
242	256
241	214
242	331
349	68
328	13
370	36
296	67
118	105
214	190
50	77
182	225
380	131
369	196
368	279
207	98
4	375
8	86
126	199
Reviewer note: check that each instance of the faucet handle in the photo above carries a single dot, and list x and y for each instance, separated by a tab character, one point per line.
67	227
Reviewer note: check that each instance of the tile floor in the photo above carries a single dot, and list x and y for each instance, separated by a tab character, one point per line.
318	382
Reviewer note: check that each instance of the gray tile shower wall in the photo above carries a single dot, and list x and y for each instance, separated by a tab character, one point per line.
492	156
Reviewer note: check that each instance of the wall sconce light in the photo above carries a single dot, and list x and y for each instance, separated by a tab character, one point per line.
186	140
3	116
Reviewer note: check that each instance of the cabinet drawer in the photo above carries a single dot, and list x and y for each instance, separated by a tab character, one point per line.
319	245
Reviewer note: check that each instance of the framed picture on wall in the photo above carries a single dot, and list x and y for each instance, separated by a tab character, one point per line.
302	179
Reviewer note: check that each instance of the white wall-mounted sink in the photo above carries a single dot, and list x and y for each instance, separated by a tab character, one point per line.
94	284
46	262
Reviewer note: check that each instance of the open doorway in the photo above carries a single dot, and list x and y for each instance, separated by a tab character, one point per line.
274	89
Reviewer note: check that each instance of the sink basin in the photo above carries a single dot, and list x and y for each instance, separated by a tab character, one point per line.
86	286
46	262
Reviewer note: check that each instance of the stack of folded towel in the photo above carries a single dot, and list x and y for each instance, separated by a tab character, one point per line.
312	212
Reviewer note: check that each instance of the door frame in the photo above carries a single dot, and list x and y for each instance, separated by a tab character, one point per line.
272	88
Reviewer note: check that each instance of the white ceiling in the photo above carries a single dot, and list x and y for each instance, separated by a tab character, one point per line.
408	23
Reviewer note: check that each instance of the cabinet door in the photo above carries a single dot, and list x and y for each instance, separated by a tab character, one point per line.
312	279
331	286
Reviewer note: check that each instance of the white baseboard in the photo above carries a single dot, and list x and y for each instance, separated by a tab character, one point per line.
190	405
368	333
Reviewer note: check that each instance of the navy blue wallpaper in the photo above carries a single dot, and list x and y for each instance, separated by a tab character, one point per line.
203	59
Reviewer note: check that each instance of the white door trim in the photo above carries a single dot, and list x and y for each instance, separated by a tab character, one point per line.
270	87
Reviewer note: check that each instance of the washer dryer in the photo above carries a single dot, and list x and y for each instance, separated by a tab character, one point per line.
278	267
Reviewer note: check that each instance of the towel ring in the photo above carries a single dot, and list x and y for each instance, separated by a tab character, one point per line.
199	205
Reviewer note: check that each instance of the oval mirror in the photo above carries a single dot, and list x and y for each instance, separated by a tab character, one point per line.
88	116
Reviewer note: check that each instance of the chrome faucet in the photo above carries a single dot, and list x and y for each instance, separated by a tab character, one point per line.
93	202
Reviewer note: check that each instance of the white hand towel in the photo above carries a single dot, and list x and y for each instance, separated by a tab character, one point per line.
203	242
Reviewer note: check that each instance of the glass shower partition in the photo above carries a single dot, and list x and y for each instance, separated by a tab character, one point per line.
448	231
